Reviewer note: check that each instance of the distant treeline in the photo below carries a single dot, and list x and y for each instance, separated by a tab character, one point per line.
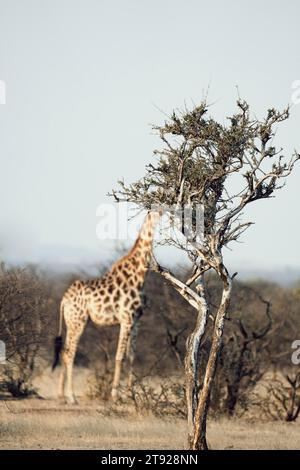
263	321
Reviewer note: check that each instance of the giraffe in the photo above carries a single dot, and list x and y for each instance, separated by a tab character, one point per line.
116	298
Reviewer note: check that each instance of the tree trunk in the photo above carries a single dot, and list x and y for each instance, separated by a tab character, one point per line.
192	360
198	441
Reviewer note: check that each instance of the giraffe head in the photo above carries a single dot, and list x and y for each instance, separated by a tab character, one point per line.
148	227
143	243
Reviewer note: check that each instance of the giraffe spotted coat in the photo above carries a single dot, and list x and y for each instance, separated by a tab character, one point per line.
116	298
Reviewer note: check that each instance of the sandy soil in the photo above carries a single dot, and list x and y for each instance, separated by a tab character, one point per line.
43	424
46	424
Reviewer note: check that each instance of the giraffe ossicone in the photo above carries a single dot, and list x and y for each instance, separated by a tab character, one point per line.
115	298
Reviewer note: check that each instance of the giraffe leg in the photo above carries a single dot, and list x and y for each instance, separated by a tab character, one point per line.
124	334
61	384
68	356
131	346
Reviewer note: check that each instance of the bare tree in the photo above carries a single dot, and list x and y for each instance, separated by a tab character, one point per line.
222	168
281	400
245	353
23	327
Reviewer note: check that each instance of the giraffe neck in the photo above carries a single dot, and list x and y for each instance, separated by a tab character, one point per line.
143	245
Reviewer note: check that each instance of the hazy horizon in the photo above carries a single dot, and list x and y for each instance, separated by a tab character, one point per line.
84	80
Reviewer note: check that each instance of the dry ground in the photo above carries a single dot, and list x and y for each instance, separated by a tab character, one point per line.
44	424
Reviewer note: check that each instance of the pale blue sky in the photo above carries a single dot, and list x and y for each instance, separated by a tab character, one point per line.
84	80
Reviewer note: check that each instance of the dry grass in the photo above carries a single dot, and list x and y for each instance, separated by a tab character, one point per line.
37	424
42	424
